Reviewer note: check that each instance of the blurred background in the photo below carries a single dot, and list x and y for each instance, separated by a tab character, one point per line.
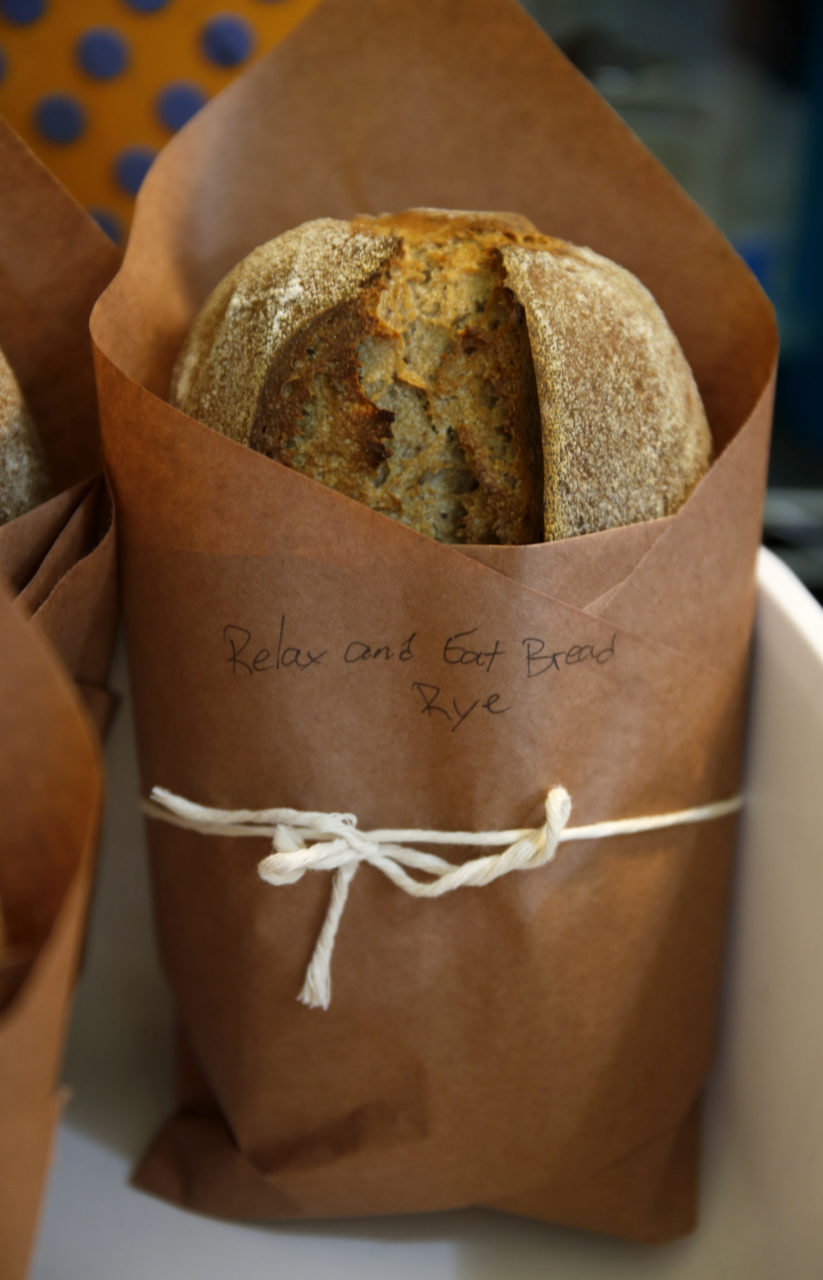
727	93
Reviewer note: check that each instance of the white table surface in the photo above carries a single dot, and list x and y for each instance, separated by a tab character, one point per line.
762	1201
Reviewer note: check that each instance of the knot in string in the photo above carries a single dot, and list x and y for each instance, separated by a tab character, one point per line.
303	841
339	846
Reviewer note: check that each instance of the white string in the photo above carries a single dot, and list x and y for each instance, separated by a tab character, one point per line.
307	841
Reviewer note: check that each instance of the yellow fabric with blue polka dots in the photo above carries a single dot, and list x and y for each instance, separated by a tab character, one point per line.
96	87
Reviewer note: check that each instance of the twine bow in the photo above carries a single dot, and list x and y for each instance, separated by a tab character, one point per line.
305	841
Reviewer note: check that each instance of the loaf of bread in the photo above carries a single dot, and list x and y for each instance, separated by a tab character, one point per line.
460	372
23	480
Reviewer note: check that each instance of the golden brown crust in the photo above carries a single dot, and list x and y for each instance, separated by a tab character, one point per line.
458	371
625	436
255	311
23	480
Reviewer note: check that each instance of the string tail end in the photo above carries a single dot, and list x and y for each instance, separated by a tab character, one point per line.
316	990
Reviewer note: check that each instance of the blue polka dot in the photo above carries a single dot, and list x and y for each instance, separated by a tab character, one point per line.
22	11
227	40
108	222
178	103
3	65
102	53
59	118
145	6
131	167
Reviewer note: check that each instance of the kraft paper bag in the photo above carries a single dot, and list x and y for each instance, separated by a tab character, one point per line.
59	558
538	1044
51	797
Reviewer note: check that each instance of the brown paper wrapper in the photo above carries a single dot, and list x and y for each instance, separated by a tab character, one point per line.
59	558
58	561
539	1045
51	799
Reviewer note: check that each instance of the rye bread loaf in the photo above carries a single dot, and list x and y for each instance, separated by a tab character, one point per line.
23	480
460	372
